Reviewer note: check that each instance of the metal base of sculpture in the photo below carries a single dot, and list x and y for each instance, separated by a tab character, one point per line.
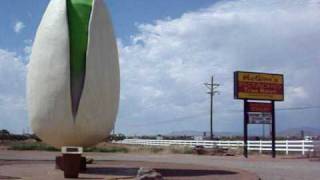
71	163
83	163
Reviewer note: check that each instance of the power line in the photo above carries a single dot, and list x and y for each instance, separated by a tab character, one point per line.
201	114
283	109
174	120
298	108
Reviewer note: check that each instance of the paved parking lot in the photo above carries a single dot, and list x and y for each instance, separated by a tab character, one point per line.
264	166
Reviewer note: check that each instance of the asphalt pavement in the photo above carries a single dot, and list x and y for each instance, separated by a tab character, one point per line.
281	168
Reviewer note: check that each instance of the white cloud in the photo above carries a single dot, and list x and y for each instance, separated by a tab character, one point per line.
27	50
19	25
12	92
165	65
28	47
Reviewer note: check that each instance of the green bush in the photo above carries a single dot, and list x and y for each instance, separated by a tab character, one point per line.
38	146
107	149
32	146
116	137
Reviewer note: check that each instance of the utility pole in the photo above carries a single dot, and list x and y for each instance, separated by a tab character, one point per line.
212	91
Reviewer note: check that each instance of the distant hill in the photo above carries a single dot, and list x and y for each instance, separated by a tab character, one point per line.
185	133
308	131
199	133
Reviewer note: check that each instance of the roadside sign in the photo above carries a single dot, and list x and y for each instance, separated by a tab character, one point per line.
259	117
258	86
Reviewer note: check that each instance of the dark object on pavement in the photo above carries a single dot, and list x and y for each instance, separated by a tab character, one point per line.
148	174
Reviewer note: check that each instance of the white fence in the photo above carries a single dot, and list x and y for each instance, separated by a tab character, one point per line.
286	146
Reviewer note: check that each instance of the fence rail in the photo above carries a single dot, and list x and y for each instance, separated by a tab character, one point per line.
286	146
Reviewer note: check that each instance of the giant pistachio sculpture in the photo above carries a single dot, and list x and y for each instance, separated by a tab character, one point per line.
73	79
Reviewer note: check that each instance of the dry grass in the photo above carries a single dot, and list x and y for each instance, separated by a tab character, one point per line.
106	147
140	149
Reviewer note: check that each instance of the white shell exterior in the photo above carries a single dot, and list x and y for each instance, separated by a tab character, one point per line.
48	82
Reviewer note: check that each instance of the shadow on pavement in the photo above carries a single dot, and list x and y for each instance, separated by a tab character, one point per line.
119	171
191	172
8	177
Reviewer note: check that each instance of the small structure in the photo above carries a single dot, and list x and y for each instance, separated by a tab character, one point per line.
198	138
159	137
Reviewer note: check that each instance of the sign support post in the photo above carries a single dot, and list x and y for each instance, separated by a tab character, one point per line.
273	131
245	129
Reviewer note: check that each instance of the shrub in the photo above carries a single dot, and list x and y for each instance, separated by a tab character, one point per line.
107	149
32	146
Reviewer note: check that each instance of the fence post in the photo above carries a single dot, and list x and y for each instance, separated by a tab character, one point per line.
260	148
303	147
287	147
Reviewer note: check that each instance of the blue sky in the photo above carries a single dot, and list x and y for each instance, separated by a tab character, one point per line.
169	48
125	14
